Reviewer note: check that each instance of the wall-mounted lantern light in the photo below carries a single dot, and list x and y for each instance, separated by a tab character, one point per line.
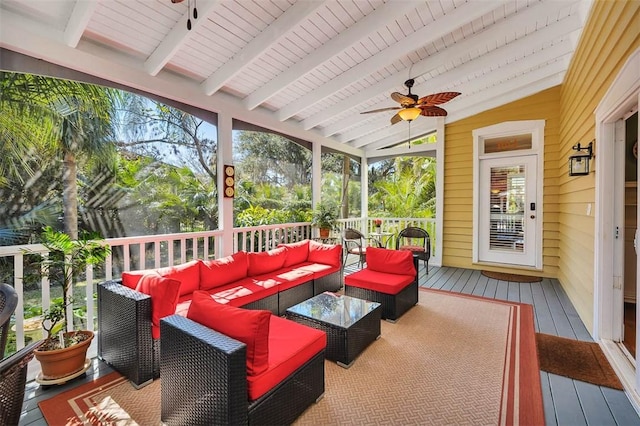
579	163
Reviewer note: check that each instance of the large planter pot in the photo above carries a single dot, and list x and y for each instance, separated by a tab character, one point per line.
324	232
60	363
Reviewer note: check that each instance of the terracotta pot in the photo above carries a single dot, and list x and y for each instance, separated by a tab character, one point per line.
324	232
61	363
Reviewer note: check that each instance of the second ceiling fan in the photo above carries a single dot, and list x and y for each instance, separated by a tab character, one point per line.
411	106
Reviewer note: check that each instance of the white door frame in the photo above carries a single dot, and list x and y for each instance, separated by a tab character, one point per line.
507	128
621	97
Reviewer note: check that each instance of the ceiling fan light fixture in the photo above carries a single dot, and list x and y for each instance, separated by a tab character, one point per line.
409	114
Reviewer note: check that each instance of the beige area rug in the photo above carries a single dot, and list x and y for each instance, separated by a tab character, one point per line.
452	359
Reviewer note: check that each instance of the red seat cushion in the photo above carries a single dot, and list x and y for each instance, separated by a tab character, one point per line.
266	261
164	294
285	278
243	292
328	254
390	261
250	327
215	273
412	248
379	281
296	252
291	345
319	270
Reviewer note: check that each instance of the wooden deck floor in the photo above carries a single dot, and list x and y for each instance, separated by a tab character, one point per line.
566	401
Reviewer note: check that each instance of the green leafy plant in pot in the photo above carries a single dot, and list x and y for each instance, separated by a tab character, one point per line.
63	354
325	218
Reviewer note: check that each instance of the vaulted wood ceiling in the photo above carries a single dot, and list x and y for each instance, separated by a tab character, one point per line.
309	68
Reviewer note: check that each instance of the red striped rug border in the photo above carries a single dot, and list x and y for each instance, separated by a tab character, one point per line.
58	411
524	391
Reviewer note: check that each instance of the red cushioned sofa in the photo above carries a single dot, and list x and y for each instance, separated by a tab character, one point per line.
130	308
390	279
228	365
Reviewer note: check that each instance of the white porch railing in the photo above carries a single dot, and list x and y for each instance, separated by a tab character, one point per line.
155	251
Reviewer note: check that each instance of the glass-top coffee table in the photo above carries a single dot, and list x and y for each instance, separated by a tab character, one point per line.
351	324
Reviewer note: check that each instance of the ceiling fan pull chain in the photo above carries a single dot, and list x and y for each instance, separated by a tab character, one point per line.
195	9
189	15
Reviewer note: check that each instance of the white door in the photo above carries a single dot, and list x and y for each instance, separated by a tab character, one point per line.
508	211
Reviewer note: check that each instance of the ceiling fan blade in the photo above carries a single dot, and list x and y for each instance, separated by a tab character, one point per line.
402	99
437	98
433	111
396	119
380	110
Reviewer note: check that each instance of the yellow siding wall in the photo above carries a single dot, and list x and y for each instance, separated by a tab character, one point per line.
458	185
611	35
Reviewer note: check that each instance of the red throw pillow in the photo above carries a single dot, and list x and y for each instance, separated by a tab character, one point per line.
328	254
251	327
164	294
296	252
214	273
266	261
398	262
187	273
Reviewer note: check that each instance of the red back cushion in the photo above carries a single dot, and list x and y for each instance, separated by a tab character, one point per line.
164	294
328	254
214	273
398	262
131	278
266	261
296	252
251	327
187	273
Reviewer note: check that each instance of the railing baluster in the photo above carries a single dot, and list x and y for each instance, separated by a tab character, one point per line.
18	284
89	300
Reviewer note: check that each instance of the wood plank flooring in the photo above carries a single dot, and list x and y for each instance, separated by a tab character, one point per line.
566	401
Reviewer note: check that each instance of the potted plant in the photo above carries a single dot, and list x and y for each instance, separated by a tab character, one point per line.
63	354
378	224
324	217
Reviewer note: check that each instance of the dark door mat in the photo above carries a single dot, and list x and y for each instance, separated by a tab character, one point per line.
514	278
576	359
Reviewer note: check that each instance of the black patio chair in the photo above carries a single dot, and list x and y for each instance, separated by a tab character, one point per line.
8	303
417	240
355	242
13	378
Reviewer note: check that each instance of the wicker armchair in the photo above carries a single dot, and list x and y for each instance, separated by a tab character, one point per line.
416	240
13	378
356	243
8	303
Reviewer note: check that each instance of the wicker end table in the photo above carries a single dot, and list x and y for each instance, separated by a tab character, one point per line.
351	324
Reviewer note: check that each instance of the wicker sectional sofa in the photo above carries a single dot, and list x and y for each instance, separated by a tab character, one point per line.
129	323
268	374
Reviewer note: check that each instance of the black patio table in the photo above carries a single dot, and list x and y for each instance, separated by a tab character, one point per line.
351	324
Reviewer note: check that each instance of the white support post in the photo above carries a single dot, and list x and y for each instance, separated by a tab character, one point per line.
225	205
364	191
437	256
316	175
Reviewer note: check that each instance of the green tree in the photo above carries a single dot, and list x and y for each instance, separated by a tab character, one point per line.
409	192
76	120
